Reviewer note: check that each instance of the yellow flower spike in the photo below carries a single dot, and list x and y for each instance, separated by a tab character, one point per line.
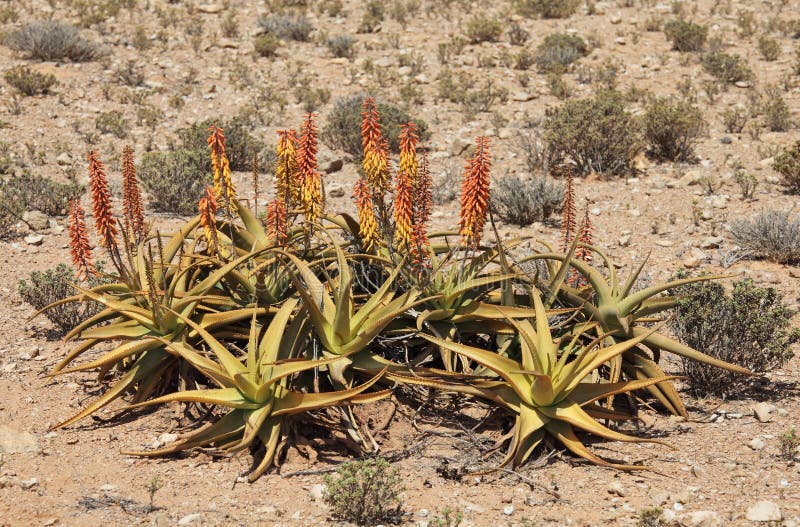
208	211
224	190
406	176
287	184
311	199
368	225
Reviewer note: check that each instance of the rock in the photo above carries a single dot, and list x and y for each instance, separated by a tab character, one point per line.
508	510
617	489
743	84
64	159
699	472
38	221
15	442
691	263
335	190
624	241
692	177
383	62
620	41
404	71
167	438
712	242
764	511
704	519
665	243
698	254
595	211
27	484
615	20
211	9
317	492
329	162
762	412
190	518
34	239
523	96
660	498
757	443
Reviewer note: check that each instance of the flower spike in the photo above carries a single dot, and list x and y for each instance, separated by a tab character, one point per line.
311	198
104	220
475	194
79	241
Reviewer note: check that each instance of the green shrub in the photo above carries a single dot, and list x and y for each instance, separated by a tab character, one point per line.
749	327
559	50
29	82
734	119
769	48
472	96
652	518
596	134
772	235
266	45
240	144
343	127
777	116
287	27
787	164
547	8
341	46
685	35
522	201
517	35
51	40
112	122
726	67
26	191
481	28
672	127
45	287
365	492
789	445
175	180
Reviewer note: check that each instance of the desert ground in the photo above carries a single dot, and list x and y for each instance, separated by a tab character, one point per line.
195	61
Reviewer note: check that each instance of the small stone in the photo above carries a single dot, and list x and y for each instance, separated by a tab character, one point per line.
27	484
764	511
743	84
37	220
64	159
166	438
757	443
523	96
317	492
190	518
704	519
665	243
660	498
762	412
423	513
699	472
615	20
595	211
34	239
335	190
14	442
691	263
620	41
404	71
617	489
508	510
624	241
108	487
383	62
712	242
210	9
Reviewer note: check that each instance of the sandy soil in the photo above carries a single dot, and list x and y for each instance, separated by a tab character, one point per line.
78	476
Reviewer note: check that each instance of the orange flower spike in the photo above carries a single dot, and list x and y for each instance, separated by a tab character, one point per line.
475	194
104	220
276	221
568	213
403	210
79	241
208	212
287	185
131	196
224	190
310	179
368	225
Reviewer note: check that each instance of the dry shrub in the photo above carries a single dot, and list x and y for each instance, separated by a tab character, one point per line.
522	201
51	40
772	235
